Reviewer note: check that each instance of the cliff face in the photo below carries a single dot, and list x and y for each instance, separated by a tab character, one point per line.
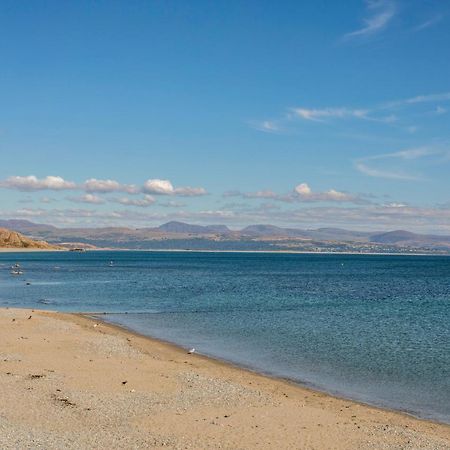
12	239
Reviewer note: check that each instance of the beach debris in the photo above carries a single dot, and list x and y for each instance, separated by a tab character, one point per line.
35	376
124	382
29	317
65	401
95	325
192	350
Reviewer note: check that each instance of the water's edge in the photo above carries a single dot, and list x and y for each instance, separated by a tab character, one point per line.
102	317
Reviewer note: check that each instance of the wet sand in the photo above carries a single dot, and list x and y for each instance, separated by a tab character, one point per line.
67	381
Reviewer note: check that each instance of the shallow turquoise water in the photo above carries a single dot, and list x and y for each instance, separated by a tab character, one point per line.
373	328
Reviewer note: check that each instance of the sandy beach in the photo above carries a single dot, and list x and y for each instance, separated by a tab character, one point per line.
67	381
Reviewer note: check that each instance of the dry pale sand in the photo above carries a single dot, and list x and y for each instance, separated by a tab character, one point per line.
70	382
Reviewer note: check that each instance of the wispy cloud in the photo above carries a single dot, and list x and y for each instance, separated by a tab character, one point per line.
320	114
366	165
429	22
391	113
382	173
263	194
379	14
43	200
172	204
427	98
267	126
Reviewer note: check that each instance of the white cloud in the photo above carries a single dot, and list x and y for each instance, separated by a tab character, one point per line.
165	187
159	187
303	189
87	198
396	205
32	183
381	12
94	185
305	193
105	186
147	200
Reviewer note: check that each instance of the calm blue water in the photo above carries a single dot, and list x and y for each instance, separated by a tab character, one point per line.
372	328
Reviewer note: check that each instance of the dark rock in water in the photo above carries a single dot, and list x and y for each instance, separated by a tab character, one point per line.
43	301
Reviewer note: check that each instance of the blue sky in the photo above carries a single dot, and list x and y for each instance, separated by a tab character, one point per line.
293	113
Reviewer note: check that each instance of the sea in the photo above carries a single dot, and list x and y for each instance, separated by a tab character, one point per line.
372	328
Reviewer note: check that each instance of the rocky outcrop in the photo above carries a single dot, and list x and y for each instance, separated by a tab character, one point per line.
13	239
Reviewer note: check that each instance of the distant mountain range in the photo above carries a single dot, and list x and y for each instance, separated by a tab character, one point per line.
180	235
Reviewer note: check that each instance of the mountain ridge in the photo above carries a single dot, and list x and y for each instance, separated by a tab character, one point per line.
176	234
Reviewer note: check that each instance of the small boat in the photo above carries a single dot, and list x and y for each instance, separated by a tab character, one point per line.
16	272
111	264
15	266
